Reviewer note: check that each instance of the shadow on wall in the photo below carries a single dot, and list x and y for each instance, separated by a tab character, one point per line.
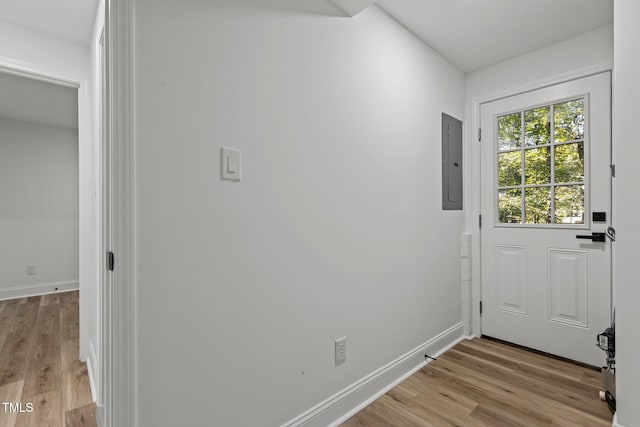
294	7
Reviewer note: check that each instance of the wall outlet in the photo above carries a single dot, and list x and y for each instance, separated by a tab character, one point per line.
341	350
31	270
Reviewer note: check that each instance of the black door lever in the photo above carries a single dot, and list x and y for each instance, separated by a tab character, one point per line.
594	237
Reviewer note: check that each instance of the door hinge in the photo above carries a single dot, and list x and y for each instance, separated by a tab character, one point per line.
479	134
613	170
480	307
110	261
480	221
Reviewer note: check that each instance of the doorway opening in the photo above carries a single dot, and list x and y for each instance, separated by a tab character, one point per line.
49	304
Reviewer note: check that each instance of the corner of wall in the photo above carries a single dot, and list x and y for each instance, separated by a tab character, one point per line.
614	423
465	279
352	7
343	405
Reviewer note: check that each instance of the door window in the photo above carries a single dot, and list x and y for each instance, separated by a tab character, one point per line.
541	165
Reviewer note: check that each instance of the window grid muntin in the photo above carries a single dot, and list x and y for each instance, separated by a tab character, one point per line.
552	140
552	146
533	147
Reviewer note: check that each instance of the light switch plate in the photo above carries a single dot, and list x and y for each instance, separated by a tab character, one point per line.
231	165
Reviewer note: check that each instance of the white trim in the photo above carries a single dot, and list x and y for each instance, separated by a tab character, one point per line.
119	355
90	369
30	71
475	172
99	75
100	415
580	73
347	402
85	212
24	291
614	423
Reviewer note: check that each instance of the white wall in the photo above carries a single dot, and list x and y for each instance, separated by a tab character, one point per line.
626	138
586	50
39	210
335	229
578	55
25	47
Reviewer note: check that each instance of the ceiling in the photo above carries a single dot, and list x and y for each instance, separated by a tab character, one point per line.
71	20
474	34
470	33
38	102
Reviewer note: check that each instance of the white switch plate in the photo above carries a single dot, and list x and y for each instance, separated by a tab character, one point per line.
231	165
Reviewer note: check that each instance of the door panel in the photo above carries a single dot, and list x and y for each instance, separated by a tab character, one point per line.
511	278
568	287
545	169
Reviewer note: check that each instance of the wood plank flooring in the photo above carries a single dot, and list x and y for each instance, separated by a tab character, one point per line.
39	363
483	383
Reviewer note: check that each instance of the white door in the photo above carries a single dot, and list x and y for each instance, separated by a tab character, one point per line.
545	173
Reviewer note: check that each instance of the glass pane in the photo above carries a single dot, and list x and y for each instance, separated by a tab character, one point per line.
509	131
537	205
509	169
570	162
537	167
537	129
569	120
570	204
510	206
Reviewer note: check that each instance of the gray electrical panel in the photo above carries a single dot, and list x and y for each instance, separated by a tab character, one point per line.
451	163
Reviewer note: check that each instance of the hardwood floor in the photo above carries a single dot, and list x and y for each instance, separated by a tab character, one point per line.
490	384
40	366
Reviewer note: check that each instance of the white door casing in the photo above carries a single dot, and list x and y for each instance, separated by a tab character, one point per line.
120	355
541	286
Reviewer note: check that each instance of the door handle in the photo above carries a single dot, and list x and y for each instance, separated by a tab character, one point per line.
594	237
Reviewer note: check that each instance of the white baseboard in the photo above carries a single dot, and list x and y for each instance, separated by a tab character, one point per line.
346	403
25	291
90	369
615	421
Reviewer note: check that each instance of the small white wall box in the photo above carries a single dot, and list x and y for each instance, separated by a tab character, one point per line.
231	165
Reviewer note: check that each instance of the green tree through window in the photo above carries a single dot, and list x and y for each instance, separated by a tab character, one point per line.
541	165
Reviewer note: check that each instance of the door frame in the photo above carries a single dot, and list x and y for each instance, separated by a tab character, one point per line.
474	327
120	403
118	384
